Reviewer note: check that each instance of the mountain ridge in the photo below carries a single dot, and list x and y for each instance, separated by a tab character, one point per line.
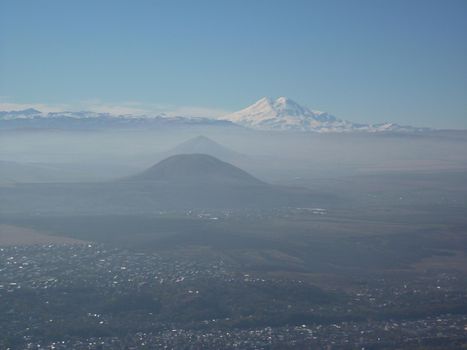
266	114
87	120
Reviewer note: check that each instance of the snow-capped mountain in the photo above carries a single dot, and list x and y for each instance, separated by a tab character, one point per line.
34	119
285	114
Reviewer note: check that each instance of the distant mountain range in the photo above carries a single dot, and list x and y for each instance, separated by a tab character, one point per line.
281	114
84	120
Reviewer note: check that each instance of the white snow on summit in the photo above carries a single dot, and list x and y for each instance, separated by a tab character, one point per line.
286	114
281	114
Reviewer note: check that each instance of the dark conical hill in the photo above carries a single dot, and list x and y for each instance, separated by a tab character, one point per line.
194	169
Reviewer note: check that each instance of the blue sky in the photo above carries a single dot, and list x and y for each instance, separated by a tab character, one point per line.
366	61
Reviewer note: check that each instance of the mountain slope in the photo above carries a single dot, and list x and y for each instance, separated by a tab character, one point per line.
285	114
195	170
281	113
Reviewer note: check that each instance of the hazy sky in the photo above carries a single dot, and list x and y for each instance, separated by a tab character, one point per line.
366	61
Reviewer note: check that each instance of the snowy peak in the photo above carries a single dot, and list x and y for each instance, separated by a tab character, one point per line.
285	114
280	114
286	106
